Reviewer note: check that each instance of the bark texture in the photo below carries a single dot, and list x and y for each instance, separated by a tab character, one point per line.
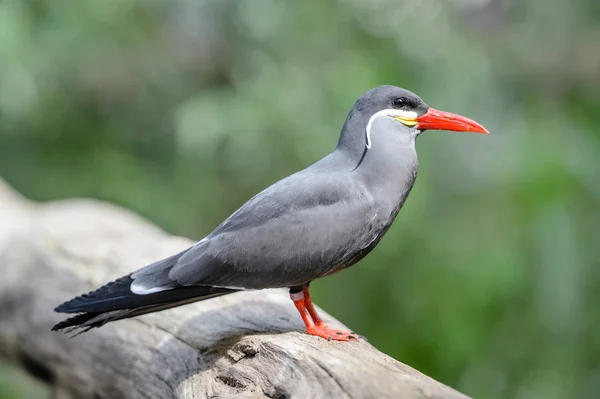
244	345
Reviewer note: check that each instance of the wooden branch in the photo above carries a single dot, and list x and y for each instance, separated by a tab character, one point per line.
244	345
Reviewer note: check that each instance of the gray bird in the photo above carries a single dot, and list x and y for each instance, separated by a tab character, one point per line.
313	223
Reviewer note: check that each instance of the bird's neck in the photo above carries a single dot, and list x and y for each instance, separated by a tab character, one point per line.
388	170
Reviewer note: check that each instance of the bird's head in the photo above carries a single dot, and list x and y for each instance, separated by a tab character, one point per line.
401	113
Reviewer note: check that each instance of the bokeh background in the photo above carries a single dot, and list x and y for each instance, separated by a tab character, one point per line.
181	110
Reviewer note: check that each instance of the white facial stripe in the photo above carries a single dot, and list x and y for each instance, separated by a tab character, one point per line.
403	113
390	113
383	112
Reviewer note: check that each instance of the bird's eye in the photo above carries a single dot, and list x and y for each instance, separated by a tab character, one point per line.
398	102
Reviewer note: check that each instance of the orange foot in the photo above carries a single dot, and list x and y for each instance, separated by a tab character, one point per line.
331	333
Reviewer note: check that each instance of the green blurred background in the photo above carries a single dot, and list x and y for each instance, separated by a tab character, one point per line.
181	110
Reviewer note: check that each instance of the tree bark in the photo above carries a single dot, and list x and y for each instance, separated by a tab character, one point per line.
244	345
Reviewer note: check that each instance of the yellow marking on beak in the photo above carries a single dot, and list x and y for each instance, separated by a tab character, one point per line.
410	122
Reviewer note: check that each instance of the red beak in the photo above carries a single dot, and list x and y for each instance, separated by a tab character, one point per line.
440	120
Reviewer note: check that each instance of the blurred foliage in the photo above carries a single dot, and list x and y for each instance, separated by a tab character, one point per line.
15	384
182	110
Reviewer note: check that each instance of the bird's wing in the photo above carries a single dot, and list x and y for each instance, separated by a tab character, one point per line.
293	232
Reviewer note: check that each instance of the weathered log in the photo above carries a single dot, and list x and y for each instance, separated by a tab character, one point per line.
244	345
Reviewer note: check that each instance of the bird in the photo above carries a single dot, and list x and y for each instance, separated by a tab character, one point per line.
309	225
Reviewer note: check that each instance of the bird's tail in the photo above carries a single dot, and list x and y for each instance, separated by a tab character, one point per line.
115	301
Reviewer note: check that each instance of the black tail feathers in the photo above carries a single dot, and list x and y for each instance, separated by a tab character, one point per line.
115	301
101	299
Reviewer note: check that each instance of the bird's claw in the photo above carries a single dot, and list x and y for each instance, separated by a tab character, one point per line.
331	334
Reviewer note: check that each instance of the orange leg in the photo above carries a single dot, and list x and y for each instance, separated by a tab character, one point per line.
311	309
314	324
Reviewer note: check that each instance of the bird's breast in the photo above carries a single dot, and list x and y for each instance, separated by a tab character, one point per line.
387	208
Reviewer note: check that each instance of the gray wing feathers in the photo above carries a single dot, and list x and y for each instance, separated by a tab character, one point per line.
287	251
155	277
279	238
